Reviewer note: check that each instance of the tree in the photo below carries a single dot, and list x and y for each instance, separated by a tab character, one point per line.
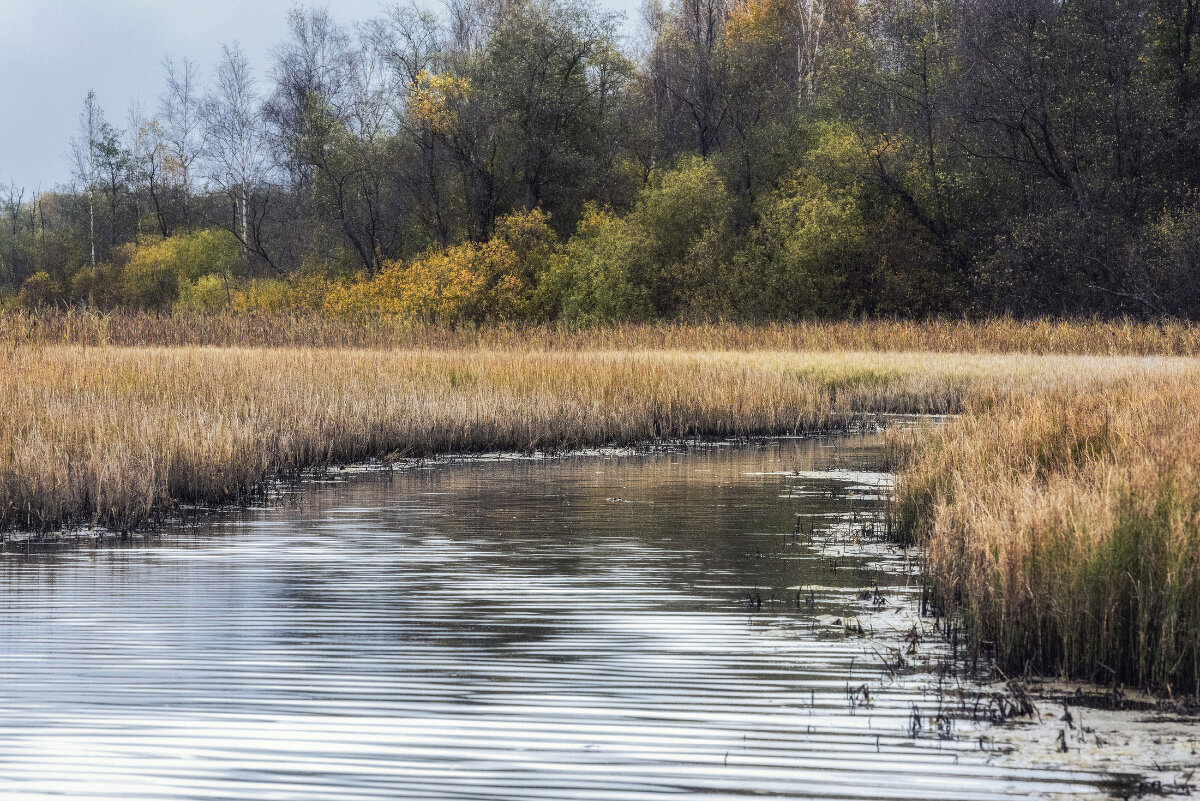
84	148
182	130
237	154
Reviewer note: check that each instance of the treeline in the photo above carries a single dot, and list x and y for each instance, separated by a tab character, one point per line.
749	159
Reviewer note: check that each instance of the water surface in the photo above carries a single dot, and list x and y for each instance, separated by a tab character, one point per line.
608	626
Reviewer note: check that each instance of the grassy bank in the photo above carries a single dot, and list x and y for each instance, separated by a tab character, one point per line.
116	435
1064	526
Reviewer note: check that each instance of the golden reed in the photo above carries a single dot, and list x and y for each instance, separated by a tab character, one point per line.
1059	514
301	329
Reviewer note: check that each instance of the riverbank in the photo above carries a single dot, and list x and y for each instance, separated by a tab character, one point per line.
1064	526
1059	514
117	435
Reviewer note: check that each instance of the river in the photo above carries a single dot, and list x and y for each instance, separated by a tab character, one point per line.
721	621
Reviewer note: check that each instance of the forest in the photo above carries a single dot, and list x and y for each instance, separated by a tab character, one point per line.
753	160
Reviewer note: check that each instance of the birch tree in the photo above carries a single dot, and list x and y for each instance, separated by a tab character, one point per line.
85	162
233	131
183	127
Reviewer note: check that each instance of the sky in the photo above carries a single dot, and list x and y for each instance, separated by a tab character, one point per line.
52	52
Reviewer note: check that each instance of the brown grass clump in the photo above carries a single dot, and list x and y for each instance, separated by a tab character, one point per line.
1065	526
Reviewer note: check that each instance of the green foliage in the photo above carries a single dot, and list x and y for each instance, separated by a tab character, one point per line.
98	286
665	258
593	284
159	272
682	238
811	238
766	159
208	293
148	282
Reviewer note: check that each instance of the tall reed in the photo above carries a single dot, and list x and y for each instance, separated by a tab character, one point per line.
306	329
116	435
1065	527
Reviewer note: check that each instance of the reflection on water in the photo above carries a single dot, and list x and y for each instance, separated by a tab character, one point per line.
593	627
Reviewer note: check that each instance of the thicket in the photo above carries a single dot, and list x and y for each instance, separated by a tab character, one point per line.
756	160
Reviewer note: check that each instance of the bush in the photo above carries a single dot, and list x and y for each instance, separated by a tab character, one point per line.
810	236
681	239
593	283
469	282
207	294
1172	245
155	273
98	286
149	283
263	294
40	290
665	258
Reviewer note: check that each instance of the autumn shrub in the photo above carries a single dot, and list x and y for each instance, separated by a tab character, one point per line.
594	282
40	290
665	258
466	283
682	239
263	294
149	282
208	293
809	238
156	273
1172	259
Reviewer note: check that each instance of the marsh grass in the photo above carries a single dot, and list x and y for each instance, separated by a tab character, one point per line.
1065	527
302	329
1060	515
118	435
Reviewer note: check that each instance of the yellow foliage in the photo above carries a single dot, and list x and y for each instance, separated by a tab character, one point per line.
469	282
39	290
757	21
208	293
263	294
154	273
433	98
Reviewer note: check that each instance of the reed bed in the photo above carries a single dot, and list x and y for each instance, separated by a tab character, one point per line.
1060	514
311	330
118	435
1064	526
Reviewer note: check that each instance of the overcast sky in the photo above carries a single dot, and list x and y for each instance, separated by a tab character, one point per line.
53	51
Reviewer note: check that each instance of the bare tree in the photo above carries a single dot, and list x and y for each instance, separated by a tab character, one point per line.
182	126
236	150
136	146
687	74
150	155
84	159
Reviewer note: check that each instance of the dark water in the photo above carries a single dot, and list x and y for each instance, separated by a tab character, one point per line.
522	629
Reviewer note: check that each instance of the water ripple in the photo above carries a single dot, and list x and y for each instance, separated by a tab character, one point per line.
601	627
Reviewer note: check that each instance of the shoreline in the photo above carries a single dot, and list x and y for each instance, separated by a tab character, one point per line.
276	487
120	437
1145	743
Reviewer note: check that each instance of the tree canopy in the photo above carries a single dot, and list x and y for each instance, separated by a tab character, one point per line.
748	159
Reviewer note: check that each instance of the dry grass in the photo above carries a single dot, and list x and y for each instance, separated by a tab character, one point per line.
312	330
1065	526
1061	514
117	435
